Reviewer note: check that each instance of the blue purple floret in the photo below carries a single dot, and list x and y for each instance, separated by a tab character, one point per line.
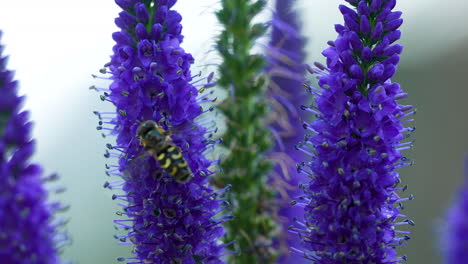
166	221
355	143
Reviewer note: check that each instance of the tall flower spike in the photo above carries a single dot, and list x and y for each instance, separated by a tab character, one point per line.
352	209
27	234
456	236
246	166
166	220
285	57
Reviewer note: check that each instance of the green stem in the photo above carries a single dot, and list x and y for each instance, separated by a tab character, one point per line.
246	167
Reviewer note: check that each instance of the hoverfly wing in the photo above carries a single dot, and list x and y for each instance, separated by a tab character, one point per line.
136	164
141	165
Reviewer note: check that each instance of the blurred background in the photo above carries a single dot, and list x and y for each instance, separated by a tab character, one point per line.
55	46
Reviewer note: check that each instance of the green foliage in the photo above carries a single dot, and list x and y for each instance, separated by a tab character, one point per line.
246	168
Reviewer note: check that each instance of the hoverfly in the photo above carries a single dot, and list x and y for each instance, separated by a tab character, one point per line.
158	143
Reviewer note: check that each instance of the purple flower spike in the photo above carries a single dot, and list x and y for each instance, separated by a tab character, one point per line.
168	220
352	209
27	235
285	67
456	236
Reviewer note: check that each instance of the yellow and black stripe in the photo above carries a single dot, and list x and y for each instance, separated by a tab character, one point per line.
171	160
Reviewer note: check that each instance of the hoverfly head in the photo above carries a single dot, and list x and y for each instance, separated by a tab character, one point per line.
144	128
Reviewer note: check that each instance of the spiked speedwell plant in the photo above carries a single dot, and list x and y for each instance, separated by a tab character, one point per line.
27	231
248	139
351	202
455	240
285	57
167	221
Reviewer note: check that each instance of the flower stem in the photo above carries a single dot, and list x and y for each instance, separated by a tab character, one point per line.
246	168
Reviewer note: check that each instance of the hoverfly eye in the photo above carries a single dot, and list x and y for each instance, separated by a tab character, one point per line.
145	127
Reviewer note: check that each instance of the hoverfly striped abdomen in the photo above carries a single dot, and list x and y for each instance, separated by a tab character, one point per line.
171	160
